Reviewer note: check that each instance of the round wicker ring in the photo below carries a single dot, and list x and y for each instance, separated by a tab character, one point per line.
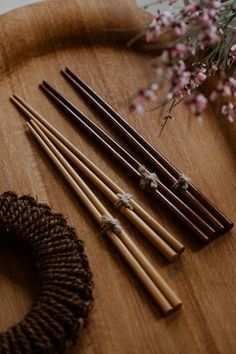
64	296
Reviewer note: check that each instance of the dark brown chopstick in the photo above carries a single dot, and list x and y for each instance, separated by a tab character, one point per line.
80	117
193	196
131	160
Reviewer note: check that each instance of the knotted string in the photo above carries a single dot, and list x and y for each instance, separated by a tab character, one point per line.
181	183
148	180
111	224
124	201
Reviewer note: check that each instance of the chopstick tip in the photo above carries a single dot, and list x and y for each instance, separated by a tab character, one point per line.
67	70
178	306
29	124
42	85
45	84
181	250
13	97
173	309
174	257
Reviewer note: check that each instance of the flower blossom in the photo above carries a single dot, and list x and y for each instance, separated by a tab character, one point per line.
204	45
197	104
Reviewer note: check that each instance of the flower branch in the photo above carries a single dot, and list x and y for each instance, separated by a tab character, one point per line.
204	46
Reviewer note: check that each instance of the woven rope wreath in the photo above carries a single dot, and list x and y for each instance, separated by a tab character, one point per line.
64	296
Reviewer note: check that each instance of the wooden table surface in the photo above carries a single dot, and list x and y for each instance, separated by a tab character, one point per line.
36	42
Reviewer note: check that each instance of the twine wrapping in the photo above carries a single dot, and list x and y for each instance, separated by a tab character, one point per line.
181	183
148	180
124	201
64	296
111	224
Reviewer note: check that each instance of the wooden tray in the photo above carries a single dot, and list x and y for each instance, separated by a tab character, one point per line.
36	42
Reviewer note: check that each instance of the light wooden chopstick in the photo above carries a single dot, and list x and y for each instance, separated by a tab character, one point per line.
155	284
161	238
166	250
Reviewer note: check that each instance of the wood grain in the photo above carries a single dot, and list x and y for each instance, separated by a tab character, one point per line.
36	42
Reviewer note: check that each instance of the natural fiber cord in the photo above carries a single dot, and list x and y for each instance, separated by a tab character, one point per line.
64	296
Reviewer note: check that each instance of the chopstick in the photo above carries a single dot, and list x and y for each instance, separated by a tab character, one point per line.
195	198
164	196
151	279
168	245
163	247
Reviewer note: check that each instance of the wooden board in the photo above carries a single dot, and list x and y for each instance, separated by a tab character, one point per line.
36	42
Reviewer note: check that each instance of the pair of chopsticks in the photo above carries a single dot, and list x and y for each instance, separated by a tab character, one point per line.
169	246
215	222
201	227
169	173
57	147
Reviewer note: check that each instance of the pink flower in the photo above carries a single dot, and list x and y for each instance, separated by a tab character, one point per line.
229	111
176	70
166	19
154	29
149	94
206	46
233	48
208	37
198	78
214	96
137	107
197	103
176	51
190	9
201	102
180	85
180	28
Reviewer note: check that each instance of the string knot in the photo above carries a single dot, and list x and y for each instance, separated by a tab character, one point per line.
110	224
124	201
148	180
181	183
